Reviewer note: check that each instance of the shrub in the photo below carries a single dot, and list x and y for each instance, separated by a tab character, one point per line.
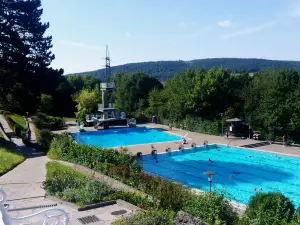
296	217
148	218
211	207
65	148
43	121
171	195
44	138
269	208
67	184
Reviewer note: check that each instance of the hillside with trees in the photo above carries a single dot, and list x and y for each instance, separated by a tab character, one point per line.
163	70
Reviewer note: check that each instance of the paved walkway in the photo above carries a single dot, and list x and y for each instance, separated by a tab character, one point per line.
25	181
32	133
5	126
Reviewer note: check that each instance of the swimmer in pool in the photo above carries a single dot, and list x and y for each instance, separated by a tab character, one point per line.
230	177
217	148
236	172
249	156
210	160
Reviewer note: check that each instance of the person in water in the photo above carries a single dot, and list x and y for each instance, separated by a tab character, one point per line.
210	160
217	148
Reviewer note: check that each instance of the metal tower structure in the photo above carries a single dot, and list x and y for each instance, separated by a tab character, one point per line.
107	65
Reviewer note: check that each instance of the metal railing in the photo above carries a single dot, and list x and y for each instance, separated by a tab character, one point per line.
110	105
50	216
107	85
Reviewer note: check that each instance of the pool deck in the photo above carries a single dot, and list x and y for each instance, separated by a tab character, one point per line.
198	138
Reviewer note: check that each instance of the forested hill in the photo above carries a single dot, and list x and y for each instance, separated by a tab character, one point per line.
165	69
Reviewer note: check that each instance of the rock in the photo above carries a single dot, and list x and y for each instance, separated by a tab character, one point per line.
187	219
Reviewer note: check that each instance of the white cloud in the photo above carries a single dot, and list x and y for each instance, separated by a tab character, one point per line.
225	23
128	34
250	30
80	45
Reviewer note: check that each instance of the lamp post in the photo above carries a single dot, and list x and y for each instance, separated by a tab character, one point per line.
221	114
209	176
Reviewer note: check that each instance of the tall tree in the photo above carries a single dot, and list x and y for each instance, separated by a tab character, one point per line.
25	53
131	88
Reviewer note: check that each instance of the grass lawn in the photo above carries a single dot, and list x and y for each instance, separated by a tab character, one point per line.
8	156
69	119
19	120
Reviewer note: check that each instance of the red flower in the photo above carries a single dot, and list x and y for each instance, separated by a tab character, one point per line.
141	206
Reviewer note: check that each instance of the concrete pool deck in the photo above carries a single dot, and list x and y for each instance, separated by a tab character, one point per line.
198	138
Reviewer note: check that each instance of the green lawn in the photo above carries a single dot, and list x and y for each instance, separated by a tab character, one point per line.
19	120
8	156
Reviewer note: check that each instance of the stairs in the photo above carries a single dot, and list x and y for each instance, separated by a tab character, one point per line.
256	145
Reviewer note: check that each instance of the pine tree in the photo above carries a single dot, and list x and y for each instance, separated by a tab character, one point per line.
25	52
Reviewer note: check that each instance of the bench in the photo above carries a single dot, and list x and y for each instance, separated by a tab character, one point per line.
50	216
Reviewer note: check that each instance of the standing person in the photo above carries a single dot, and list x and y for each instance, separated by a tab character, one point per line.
170	125
284	140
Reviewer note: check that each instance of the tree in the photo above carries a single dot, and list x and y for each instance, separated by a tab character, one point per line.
87	101
25	53
211	93
131	88
46	104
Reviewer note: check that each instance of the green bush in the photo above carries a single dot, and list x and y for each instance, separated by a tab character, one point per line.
269	208
296	217
171	195
65	148
44	138
148	218
70	185
196	124
211	207
43	121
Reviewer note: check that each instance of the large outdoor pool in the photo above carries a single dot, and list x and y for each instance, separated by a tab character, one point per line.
238	171
124	137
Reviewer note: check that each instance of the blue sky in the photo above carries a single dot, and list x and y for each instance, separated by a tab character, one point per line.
152	30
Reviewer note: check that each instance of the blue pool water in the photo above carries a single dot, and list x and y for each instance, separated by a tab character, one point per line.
124	137
236	173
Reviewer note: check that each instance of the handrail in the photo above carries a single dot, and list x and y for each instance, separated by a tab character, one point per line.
48	219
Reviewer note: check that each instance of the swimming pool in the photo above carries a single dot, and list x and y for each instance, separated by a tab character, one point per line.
238	171
124	137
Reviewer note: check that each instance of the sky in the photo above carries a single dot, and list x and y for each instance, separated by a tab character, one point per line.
153	30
